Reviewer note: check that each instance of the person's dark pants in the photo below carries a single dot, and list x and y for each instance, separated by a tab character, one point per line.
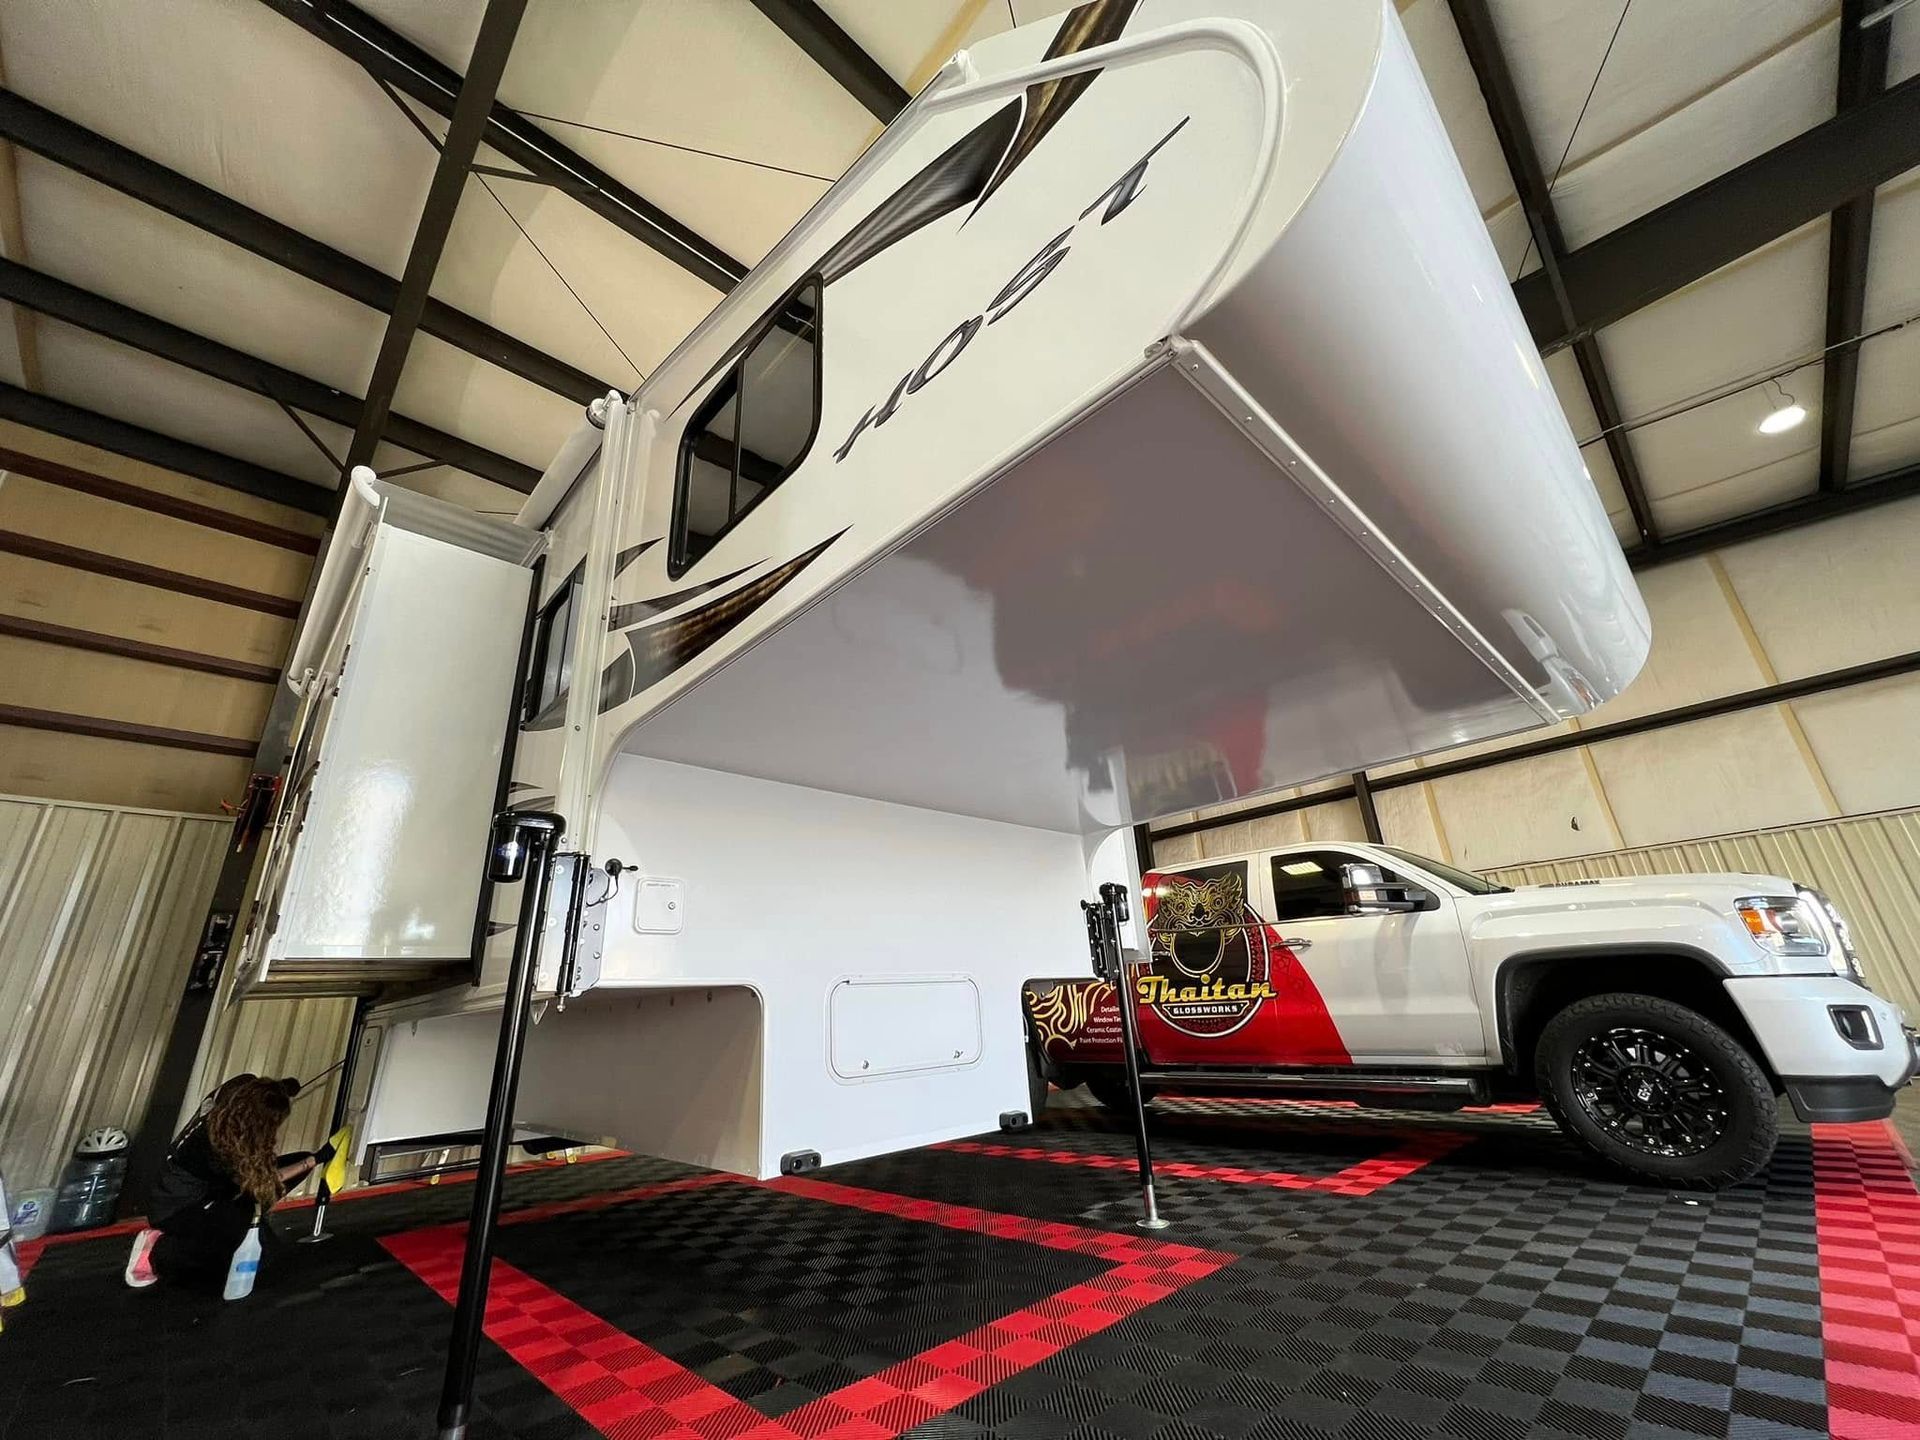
197	1245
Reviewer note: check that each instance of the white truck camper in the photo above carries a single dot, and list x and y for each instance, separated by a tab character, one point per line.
1144	421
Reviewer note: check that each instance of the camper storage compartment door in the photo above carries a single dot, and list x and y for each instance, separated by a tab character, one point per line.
387	867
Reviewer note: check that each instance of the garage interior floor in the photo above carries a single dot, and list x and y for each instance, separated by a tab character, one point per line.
1330	1271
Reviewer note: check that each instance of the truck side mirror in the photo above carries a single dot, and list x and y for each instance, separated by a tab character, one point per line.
1370	892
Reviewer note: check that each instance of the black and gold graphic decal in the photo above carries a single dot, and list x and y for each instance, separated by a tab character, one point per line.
981	161
1084	27
634	612
656	651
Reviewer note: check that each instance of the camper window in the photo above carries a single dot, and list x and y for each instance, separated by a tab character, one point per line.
552	649
752	431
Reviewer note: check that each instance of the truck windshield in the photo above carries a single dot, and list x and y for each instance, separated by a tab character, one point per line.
1472	884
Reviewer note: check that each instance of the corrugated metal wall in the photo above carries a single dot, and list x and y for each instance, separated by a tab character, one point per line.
1869	866
99	911
277	1037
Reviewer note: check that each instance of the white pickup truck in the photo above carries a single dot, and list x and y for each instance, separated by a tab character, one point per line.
1658	1019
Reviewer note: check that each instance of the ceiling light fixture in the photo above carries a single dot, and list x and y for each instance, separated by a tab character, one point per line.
1784	416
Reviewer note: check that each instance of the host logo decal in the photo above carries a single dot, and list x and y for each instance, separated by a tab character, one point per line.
1115	199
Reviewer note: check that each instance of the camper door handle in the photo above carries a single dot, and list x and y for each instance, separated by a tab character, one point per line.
1296	944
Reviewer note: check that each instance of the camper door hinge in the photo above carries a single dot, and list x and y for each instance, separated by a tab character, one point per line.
570	958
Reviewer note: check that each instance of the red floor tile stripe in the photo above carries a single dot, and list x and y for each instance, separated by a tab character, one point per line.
1418	1151
1868	1213
629	1391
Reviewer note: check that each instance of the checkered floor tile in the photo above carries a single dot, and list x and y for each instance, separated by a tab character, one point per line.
1499	1287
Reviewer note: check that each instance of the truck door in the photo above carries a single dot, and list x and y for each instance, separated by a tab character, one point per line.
1398	986
1219	989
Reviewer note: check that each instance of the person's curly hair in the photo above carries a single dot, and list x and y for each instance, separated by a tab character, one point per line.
243	1128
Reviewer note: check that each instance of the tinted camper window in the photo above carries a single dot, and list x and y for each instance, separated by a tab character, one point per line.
552	649
752	431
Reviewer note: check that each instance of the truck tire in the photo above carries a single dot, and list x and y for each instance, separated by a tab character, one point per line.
1111	1091
1657	1090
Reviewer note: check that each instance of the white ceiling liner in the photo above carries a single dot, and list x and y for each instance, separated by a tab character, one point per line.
102	241
1667	56
232	95
1784	94
1763	310
101	375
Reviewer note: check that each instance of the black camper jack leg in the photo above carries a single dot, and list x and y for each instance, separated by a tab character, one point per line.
522	849
1103	935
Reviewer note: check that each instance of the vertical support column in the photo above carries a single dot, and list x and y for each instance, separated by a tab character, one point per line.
1369	816
522	849
1104	917
341	1099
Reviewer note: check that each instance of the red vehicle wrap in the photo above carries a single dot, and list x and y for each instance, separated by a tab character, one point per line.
1221	988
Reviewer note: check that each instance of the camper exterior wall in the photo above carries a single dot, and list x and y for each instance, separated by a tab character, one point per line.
809	899
1393	372
837	976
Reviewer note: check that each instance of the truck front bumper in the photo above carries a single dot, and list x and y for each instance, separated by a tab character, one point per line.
1842	1053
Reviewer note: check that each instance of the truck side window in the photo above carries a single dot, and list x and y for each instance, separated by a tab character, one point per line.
752	431
1306	884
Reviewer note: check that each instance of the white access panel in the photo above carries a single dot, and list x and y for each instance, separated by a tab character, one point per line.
388	864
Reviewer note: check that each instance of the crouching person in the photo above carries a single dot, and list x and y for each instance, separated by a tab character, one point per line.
220	1178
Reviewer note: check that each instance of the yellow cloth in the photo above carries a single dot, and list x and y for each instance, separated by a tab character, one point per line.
334	1177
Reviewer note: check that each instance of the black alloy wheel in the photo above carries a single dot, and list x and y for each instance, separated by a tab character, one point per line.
1650	1091
1657	1089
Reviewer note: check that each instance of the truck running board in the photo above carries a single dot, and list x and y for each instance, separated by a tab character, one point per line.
1439	1092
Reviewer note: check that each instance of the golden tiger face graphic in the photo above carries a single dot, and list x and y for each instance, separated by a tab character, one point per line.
1195	921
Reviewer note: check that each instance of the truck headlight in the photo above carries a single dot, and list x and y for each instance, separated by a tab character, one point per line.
1783	924
1845	959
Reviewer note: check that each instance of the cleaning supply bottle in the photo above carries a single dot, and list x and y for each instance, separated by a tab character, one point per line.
245	1263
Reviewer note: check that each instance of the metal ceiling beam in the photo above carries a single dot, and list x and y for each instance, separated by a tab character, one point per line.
1771	195
394	61
56	417
69	303
1489	63
133	175
837	53
464	132
1791	515
1863	74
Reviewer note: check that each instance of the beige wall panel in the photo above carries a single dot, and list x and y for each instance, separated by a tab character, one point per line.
60	596
80	682
99	910
1839	593
1287	829
118	772
1339	820
1698	649
1869	865
1183	850
51	512
1479	747
1543	808
1714	777
1867	740
1406	820
136	472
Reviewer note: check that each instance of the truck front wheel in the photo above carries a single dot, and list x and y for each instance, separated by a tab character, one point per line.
1658	1090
